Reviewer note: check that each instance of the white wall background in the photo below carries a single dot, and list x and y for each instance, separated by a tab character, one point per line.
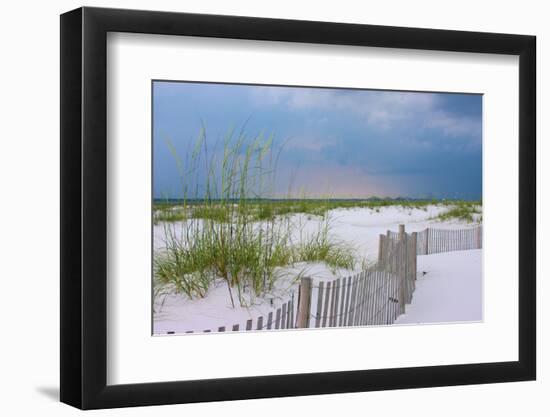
29	220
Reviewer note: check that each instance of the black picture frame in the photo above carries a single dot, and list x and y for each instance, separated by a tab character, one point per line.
84	207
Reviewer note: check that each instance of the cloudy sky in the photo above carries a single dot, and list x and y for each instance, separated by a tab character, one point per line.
341	142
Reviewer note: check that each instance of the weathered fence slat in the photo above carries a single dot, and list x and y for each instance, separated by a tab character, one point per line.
290	314
370	277
330	312
318	313
277	318
367	278
380	299
371	294
337	302
346	305
357	303
269	320
304	303
325	307
292	323
349	315
361	298
365	301
341	309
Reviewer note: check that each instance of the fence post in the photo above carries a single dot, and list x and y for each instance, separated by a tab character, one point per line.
414	256
427	240
401	231
478	232
401	268
381	248
304	303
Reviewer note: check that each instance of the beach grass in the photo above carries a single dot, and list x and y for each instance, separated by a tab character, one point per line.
462	210
222	228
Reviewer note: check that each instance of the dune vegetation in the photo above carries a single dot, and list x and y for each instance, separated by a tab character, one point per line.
223	229
462	210
172	211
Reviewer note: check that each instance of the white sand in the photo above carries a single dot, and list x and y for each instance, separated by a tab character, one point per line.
360	227
451	290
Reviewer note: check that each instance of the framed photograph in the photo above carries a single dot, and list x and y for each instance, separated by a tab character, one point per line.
259	208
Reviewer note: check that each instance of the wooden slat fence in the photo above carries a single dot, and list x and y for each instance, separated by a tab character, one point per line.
375	296
432	241
370	297
279	318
